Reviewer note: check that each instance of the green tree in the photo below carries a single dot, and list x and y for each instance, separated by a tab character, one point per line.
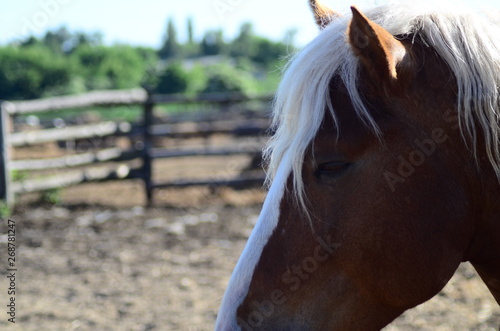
57	40
213	43
170	46
190	31
31	72
225	78
244	45
174	79
267	52
30	41
116	67
92	39
259	50
64	41
197	79
190	49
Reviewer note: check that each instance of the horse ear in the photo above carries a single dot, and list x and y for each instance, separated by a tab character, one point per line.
322	14
377	49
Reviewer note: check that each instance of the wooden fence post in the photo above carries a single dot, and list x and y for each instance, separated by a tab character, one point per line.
6	194
146	152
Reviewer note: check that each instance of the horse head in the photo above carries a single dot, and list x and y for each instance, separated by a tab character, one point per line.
383	173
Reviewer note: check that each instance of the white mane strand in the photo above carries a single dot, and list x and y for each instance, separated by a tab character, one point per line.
469	43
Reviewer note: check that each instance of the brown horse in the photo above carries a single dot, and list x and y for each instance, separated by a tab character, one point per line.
384	172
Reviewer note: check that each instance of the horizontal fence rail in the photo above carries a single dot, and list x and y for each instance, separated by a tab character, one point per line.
144	149
106	155
237	128
72	178
208	98
74	132
97	98
239	182
163	153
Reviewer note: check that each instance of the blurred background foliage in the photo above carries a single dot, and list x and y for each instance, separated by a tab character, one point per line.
62	62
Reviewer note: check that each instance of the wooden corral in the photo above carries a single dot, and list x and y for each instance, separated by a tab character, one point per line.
144	136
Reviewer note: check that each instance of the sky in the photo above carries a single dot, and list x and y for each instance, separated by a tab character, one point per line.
143	23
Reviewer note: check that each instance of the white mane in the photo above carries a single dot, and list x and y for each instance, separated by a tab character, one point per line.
469	43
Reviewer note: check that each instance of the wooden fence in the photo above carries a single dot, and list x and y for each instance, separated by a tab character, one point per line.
145	151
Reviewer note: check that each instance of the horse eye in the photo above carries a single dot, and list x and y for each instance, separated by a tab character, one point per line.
331	169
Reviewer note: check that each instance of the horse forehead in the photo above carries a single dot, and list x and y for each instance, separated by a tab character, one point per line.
343	124
426	77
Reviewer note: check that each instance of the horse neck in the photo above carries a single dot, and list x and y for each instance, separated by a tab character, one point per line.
486	242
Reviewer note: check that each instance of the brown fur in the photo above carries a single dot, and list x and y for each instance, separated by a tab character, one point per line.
377	49
322	14
387	250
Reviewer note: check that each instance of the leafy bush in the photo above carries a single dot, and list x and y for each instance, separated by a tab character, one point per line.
225	78
64	62
174	79
27	73
117	67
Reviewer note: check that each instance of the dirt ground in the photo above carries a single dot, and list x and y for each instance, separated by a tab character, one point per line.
98	260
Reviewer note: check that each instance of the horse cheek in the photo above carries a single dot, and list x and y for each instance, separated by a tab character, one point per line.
287	278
